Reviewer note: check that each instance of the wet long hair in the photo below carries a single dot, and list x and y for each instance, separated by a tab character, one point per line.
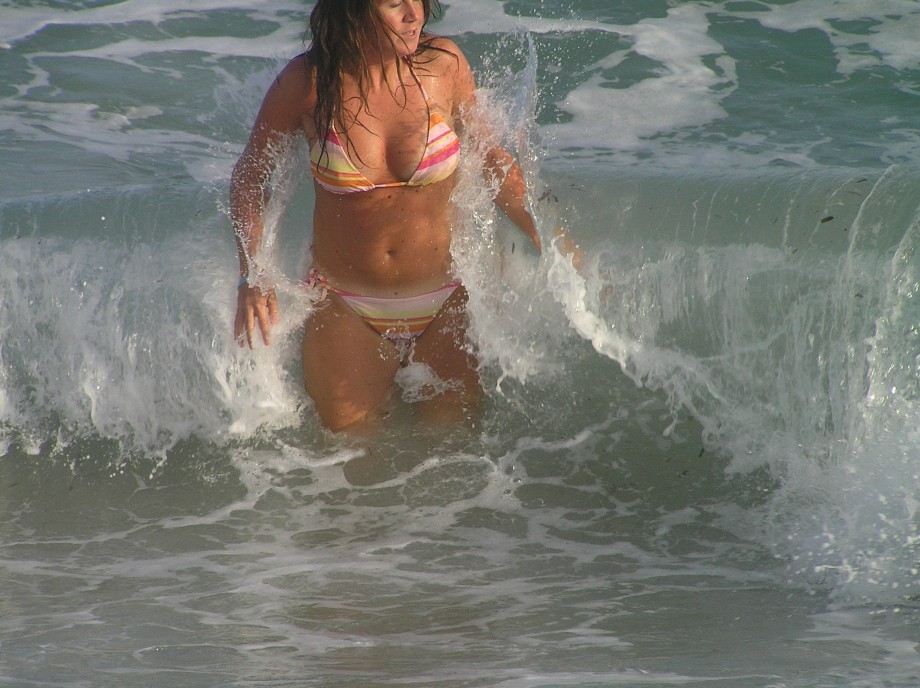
339	30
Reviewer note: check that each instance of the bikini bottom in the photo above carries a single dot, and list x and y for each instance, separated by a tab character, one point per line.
393	318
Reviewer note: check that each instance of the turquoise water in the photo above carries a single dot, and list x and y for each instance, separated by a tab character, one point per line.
696	458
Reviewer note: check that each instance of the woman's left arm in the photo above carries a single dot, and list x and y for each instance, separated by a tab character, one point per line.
499	166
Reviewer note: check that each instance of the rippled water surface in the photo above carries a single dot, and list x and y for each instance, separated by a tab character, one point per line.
695	460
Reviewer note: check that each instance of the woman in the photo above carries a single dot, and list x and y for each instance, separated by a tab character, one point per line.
382	104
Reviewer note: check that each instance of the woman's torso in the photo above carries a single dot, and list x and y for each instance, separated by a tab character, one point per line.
393	240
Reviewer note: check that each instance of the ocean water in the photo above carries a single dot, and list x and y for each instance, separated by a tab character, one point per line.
697	458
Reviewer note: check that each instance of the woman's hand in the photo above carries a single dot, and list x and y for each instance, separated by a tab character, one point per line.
255	304
569	247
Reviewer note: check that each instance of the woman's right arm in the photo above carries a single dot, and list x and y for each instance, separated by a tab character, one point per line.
283	112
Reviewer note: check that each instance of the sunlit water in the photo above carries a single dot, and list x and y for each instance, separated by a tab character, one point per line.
696	459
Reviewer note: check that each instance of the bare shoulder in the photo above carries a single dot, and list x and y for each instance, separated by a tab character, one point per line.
444	56
297	81
445	62
443	44
290	99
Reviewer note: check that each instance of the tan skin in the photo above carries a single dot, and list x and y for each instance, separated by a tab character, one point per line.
391	242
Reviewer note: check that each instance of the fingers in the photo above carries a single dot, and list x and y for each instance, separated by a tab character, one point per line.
255	309
273	308
250	323
265	324
239	327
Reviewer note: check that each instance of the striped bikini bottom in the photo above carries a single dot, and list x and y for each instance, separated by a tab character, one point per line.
396	318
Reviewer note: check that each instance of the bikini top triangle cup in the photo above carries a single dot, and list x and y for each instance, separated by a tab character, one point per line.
334	171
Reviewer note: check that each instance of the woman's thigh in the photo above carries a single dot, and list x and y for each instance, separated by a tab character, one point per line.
444	347
348	368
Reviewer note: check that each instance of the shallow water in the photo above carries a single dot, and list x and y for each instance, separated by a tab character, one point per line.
695	460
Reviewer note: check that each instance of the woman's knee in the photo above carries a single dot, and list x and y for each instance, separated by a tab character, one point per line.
342	417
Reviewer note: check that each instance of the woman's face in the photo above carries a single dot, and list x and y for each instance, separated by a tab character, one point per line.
403	20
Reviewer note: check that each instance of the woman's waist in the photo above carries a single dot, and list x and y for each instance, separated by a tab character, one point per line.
380	281
384	263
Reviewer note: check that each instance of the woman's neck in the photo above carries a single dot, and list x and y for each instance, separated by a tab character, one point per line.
385	70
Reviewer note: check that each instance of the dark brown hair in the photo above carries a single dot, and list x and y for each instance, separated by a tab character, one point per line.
339	30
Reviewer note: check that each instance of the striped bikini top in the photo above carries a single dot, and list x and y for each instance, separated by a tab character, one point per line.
334	171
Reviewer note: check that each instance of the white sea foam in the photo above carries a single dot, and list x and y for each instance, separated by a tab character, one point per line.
891	37
19	22
686	92
489	16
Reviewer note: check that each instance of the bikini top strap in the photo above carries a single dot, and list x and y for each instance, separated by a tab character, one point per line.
417	80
